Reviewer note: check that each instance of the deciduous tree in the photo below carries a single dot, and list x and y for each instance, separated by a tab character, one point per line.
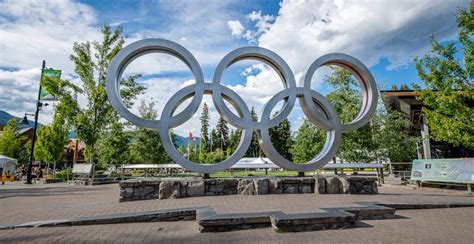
448	91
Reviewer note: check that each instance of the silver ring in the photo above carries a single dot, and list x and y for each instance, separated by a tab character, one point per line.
315	106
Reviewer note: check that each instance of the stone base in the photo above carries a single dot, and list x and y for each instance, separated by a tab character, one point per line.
312	221
165	188
211	221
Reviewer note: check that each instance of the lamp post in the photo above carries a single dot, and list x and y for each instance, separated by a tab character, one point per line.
38	107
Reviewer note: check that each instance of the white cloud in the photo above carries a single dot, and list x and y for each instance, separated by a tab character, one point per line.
19	90
263	21
368	30
201	27
262	25
235	27
31	31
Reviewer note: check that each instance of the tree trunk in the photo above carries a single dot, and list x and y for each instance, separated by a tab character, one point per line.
91	161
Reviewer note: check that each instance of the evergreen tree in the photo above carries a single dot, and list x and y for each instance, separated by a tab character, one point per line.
215	143
10	140
404	87
393	137
254	148
205	128
222	130
234	139
146	146
448	86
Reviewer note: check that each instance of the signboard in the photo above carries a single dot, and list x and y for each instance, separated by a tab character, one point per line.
458	170
82	169
52	74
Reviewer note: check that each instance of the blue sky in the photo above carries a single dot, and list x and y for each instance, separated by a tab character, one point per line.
385	35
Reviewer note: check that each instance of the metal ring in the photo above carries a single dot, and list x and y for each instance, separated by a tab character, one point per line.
333	136
315	106
268	57
362	74
139	48
245	138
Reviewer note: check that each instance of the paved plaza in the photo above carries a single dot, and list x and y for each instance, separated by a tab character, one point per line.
20	204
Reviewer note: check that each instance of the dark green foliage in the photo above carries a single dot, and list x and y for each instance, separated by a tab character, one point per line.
308	142
254	148
205	127
448	91
146	146
113	147
50	141
281	138
11	142
222	133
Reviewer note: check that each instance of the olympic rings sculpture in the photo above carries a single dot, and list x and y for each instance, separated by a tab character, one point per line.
314	105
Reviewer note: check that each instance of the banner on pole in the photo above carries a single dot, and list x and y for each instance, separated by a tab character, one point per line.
51	74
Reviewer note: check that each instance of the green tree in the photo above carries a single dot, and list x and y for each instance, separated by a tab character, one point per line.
49	146
394	138
146	146
308	142
205	127
222	130
234	139
448	89
10	140
404	87
90	122
281	138
113	147
357	145
215	143
254	148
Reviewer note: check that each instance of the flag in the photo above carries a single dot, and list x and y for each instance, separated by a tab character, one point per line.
190	135
51	74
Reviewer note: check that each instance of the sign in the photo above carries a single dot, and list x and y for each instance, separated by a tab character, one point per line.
85	169
455	170
51	74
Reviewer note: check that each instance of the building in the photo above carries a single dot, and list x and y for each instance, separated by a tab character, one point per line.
405	102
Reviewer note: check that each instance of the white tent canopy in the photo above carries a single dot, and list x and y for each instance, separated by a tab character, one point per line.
255	163
8	164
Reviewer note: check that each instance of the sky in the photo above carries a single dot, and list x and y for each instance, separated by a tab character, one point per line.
385	35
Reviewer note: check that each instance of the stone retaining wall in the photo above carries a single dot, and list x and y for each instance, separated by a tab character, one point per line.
164	188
